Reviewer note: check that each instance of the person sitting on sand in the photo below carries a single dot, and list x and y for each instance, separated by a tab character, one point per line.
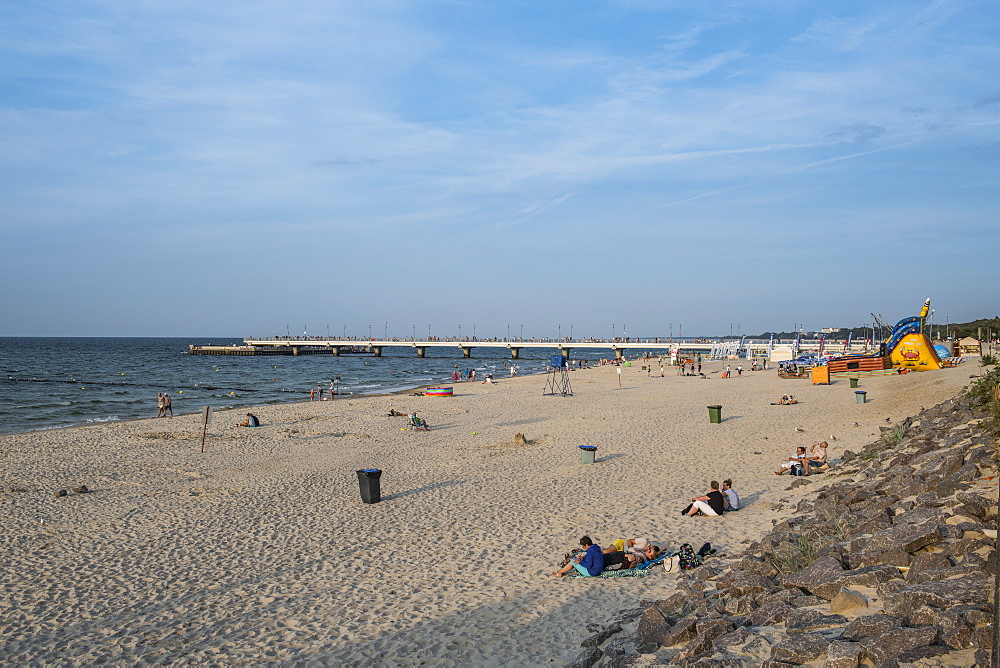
590	564
251	421
800	455
489	379
712	504
817	457
732	498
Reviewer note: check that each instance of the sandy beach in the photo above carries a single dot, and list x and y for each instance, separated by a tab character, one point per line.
260	549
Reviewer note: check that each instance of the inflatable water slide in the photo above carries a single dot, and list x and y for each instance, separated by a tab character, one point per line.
907	348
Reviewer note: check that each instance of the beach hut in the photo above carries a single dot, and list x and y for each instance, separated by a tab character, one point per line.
968	346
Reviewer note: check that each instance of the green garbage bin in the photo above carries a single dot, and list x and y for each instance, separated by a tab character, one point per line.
860	396
854	382
715	414
588	454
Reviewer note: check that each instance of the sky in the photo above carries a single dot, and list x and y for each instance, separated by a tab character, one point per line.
251	168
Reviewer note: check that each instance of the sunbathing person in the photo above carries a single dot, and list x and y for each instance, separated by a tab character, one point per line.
589	564
712	504
626	545
798	458
817	458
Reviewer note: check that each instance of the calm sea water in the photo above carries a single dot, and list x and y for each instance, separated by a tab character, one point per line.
59	382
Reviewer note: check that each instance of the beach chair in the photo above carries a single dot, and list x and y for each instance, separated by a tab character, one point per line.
415	423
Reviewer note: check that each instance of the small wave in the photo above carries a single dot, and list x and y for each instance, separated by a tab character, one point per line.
110	418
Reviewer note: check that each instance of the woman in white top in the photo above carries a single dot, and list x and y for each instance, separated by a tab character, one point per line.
732	498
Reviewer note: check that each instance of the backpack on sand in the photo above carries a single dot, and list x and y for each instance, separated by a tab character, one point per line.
688	559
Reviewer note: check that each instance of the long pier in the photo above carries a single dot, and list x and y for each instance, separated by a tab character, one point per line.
252	346
320	346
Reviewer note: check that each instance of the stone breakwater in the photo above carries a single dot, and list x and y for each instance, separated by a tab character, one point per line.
891	562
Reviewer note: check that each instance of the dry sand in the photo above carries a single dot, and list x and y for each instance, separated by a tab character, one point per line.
260	550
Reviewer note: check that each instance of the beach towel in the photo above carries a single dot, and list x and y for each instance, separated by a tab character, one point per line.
620	573
653	562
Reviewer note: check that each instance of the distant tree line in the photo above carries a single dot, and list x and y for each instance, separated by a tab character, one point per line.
958	330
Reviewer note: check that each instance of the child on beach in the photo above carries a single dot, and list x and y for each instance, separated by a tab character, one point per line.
590	564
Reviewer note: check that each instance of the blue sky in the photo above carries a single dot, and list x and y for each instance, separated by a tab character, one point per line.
239	168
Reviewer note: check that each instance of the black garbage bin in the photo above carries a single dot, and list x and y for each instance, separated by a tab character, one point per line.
369	484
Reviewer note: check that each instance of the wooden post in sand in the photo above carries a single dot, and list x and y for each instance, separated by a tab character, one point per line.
206	416
619	376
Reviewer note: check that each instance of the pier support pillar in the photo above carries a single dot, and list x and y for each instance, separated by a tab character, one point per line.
295	350
565	352
515	353
378	351
421	351
466	351
619	353
335	351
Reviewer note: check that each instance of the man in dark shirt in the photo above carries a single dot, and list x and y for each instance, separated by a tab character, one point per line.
712	504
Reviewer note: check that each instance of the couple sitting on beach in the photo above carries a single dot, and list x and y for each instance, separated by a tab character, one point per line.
715	502
591	560
802	464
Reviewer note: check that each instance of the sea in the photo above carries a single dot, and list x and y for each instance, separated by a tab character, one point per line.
50	383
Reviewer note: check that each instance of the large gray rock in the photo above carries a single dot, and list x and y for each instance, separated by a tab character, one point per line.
742	605
869	576
842	654
750	565
909	538
654	627
975	504
708	630
743	585
770	613
871	625
926	561
932	574
971	589
681	632
586	658
887	646
601	636
919	515
799	648
823	569
821	623
894	557
732	639
674	604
